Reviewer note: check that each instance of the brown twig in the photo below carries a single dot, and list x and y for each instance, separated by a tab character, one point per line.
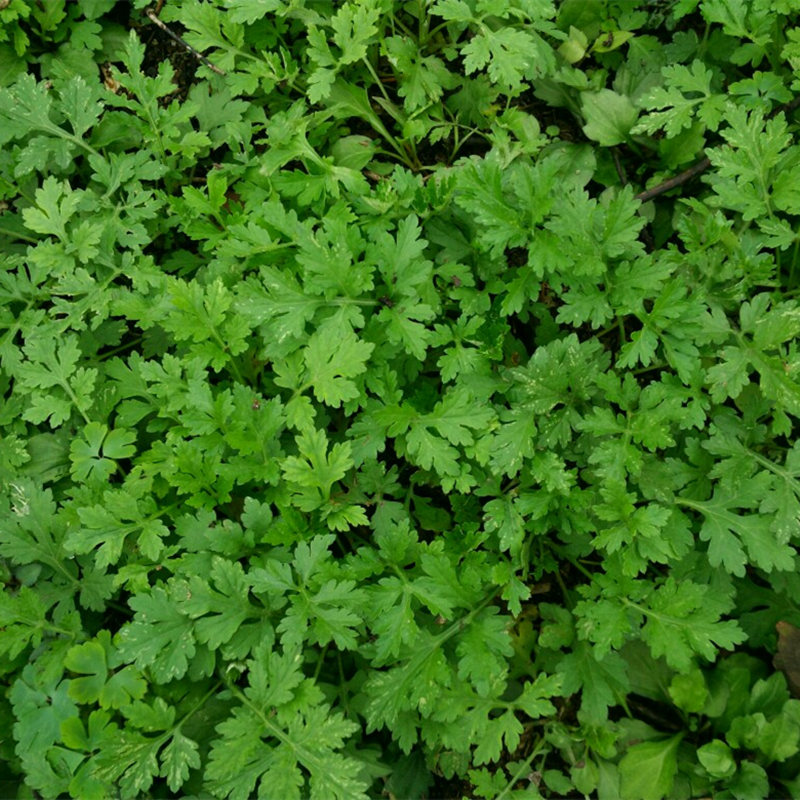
675	180
704	163
792	105
151	15
623	178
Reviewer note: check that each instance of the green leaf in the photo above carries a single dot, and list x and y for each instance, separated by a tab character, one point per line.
510	56
112	691
779	739
354	26
483	651
332	359
600	681
130	761
23	621
89	660
53	366
609	117
729	533
160	637
93	458
679	97
747	165
750	780
56	203
177	759
423	78
220	606
107	526
313	473
685	620
40	704
648	769
79	104
689	692
266	742
322	608
717	759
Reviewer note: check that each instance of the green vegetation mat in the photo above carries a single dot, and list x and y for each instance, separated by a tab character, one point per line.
400	399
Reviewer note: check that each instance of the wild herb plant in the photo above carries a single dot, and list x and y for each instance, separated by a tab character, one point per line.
376	422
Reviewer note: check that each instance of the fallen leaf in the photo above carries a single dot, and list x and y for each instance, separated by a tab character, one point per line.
787	655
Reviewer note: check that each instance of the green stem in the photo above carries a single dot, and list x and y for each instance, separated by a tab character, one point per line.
120	348
651	368
233	365
375	77
567	599
44	624
702	46
21	236
423	20
309	759
793	263
610	327
585	572
198	705
521	771
439	27
342	685
55	130
320	662
74	398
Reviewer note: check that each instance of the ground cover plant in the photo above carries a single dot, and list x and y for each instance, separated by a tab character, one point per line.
400	399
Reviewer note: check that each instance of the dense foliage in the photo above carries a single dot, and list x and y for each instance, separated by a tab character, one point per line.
364	434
